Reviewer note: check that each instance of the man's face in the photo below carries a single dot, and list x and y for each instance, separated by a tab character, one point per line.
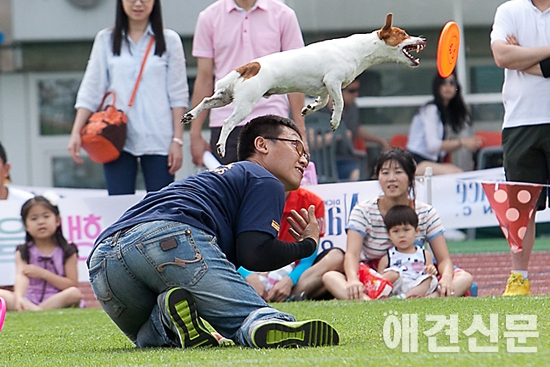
286	158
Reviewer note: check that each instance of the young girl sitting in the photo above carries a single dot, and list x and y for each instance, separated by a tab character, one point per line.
46	265
409	268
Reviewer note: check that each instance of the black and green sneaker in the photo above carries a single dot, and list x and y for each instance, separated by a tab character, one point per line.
312	333
183	313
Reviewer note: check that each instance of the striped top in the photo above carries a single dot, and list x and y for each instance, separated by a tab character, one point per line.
366	219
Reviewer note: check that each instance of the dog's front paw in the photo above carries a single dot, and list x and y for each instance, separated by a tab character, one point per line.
187	118
221	149
307	110
334	125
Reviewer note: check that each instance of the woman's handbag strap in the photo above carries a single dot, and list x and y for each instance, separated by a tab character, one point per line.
151	41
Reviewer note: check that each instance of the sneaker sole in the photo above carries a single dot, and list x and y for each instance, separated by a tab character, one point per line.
275	334
183	313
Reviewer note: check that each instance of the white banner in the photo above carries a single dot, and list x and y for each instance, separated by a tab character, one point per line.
459	199
82	220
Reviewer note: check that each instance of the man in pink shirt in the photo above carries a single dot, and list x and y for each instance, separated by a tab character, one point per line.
230	33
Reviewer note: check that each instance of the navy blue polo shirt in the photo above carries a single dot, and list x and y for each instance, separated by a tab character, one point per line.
223	202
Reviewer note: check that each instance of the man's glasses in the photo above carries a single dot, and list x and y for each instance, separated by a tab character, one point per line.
300	149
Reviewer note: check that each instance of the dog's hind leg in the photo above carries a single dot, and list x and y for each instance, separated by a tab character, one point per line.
238	115
320	102
335	92
220	98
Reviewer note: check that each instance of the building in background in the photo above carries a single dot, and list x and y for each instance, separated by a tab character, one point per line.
45	44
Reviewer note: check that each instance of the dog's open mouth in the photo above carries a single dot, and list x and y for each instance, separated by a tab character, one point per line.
415	47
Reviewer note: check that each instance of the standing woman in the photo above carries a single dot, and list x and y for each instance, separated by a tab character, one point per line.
428	136
368	238
155	134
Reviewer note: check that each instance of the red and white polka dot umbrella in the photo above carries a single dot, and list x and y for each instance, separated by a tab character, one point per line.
513	205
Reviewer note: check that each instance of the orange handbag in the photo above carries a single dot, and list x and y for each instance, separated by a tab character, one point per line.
104	134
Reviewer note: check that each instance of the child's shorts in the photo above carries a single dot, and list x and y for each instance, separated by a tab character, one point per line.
404	284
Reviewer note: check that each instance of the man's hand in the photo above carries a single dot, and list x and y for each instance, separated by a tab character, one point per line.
304	224
511	55
534	69
512	40
198	147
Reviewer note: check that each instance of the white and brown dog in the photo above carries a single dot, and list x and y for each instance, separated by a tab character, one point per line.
320	69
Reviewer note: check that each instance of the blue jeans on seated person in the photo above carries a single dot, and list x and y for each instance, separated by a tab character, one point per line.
129	271
120	175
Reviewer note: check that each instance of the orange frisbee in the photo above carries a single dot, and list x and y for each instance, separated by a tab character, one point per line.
447	49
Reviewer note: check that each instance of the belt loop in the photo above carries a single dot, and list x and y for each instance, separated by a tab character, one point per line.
115	238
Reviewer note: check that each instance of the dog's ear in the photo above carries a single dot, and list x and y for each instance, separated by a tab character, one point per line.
385	31
389	18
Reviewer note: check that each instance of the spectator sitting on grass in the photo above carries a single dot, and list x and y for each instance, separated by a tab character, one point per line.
279	285
408	267
46	265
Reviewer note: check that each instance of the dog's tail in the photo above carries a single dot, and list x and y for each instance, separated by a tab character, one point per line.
226	83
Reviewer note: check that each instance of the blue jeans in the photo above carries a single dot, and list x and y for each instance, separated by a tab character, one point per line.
120	175
128	271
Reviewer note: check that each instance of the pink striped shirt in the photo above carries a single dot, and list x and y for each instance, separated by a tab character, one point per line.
366	219
232	37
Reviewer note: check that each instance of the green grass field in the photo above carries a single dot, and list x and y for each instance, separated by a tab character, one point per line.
87	337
